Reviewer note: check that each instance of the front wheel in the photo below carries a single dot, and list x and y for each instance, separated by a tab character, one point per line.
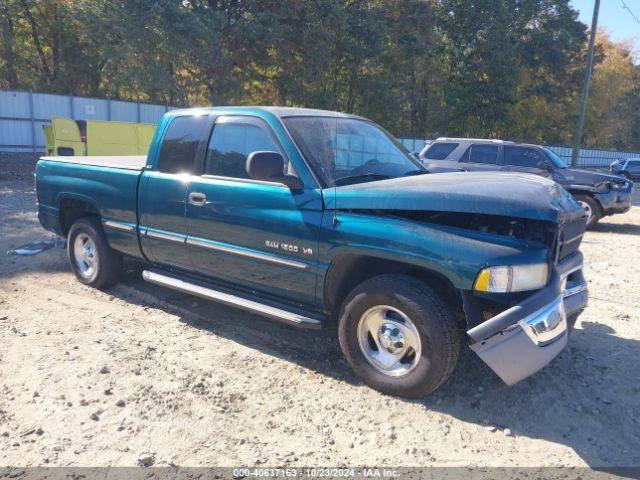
92	259
398	335
591	209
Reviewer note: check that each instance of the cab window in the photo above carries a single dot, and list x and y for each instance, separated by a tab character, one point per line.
440	151
180	144
522	157
487	154
231	142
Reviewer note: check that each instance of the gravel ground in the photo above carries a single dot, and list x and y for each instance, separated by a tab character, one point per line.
17	166
143	375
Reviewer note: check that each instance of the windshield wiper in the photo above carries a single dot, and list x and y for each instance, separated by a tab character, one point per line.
364	176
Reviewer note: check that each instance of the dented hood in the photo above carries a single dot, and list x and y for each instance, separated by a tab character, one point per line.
507	194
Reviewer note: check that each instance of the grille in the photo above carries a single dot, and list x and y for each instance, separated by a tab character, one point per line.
570	238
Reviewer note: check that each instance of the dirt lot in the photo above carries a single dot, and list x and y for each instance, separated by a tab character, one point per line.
100	378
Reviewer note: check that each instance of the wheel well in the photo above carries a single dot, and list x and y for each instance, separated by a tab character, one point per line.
348	271
584	193
72	209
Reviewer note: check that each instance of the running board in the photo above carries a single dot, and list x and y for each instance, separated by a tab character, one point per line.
271	311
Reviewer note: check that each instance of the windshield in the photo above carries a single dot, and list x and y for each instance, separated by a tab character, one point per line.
348	150
555	159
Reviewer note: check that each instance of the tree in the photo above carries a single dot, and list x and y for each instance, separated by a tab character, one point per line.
494	68
8	72
615	88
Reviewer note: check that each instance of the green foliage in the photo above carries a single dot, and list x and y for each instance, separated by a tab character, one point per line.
494	68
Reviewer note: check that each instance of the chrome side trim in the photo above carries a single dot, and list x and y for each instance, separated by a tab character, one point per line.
199	242
172	237
124	227
229	299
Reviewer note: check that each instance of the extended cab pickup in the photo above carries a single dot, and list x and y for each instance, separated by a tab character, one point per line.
312	218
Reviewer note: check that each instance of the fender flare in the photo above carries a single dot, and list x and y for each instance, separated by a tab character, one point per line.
62	196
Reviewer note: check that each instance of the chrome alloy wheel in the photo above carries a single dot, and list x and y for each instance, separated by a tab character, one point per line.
587	210
84	252
389	340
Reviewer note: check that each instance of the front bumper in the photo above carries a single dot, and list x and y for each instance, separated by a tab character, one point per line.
615	201
525	338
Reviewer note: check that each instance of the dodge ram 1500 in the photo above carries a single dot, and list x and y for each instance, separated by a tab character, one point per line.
313	218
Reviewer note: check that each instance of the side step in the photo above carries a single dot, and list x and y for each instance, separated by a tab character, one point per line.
220	296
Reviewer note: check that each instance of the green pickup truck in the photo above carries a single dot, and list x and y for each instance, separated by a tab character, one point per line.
317	218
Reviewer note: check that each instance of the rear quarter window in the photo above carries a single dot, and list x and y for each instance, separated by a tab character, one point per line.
180	144
440	151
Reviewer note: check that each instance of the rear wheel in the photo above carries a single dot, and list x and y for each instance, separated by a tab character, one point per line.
591	209
93	261
398	335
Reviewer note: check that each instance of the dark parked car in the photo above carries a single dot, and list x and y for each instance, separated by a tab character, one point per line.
629	167
600	194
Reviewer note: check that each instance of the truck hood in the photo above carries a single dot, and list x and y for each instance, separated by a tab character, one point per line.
517	195
576	176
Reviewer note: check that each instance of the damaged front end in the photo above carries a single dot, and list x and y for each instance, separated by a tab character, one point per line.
522	229
517	334
519	327
522	339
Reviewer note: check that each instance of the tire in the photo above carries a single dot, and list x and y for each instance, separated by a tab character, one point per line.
398	298
92	260
591	206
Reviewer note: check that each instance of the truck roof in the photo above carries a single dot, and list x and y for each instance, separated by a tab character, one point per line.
279	112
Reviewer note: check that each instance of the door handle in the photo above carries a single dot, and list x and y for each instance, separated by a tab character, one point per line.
462	169
198	199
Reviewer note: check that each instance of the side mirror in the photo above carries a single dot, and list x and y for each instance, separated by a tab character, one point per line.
269	167
545	165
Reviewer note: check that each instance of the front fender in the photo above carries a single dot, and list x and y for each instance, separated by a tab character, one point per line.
454	253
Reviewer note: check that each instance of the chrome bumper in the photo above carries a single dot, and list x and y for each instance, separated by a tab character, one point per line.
547	324
525	338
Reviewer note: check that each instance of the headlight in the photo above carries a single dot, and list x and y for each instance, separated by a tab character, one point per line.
618	185
512	278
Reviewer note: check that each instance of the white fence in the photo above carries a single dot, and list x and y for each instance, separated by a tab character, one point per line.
587	158
22	115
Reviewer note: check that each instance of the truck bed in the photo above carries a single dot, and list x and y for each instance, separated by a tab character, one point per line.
105	186
128	162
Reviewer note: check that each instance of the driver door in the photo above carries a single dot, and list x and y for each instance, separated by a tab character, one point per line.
525	159
258	236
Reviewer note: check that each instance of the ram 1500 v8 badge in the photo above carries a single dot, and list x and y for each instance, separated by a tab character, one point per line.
314	218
